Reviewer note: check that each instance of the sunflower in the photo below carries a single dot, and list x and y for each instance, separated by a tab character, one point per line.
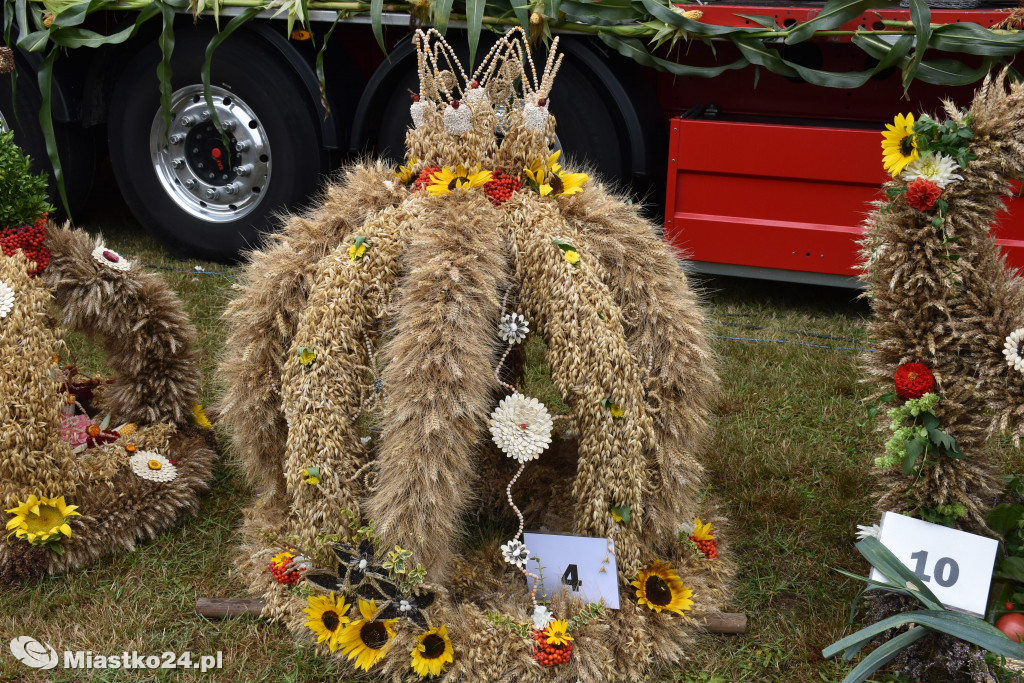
446	180
41	520
547	179
899	145
433	650
405	174
557	632
701	532
198	414
660	588
367	640
326	617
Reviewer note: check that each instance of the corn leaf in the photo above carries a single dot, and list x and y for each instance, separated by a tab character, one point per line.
376	23
45	76
211	47
835	13
882	654
474	21
921	17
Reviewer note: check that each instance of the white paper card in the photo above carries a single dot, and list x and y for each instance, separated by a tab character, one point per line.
586	566
955	565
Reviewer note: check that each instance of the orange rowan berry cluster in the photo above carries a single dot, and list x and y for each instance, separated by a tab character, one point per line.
550	655
709	547
424	178
286	572
501	187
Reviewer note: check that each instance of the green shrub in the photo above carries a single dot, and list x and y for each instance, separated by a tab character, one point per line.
22	194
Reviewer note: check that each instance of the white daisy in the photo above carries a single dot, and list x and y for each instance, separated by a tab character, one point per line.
513	328
521	427
458	120
863	531
111	259
938	168
514	552
153	466
6	299
541	617
1013	349
686	528
535	117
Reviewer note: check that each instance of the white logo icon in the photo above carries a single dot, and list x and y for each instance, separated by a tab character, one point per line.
31	652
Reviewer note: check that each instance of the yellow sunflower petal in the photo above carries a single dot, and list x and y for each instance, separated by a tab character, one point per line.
65	529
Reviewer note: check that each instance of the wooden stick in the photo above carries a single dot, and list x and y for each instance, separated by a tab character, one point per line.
222	608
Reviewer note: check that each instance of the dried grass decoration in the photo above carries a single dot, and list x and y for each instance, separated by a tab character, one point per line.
77	488
377	345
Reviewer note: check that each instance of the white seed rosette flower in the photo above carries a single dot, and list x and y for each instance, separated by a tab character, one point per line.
153	466
110	258
521	427
515	553
1013	351
6	299
938	168
513	328
863	531
419	111
458	119
535	117
476	96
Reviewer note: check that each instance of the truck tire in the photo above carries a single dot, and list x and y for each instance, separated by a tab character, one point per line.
75	146
196	196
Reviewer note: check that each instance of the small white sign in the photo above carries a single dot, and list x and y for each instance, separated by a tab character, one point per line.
955	565
585	566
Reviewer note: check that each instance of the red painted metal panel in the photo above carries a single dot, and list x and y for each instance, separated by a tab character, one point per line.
785	197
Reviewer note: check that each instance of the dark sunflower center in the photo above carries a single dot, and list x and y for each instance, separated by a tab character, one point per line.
657	591
557	186
907	146
330	620
433	646
457	182
374	635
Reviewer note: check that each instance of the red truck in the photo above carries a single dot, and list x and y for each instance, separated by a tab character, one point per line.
768	175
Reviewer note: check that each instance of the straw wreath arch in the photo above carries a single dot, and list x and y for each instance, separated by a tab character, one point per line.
91	467
375	375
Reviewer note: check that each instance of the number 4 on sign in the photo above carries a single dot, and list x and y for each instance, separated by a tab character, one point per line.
571	578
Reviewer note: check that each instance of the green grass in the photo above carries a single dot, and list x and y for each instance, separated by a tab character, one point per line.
789	466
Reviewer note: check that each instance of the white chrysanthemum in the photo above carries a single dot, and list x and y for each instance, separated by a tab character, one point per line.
1013	350
863	531
535	117
153	466
110	258
515	553
419	110
513	328
6	299
521	427
458	120
938	168
541	617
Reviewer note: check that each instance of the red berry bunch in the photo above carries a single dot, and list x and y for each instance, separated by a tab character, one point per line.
285	572
913	380
424	179
29	239
708	546
550	655
500	187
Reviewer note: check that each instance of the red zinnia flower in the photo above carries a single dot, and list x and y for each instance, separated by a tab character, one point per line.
922	194
913	380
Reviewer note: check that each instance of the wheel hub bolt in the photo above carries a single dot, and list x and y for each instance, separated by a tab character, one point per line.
212	194
244	170
188	121
204	115
190	183
176	139
242	146
231	189
229	126
178	163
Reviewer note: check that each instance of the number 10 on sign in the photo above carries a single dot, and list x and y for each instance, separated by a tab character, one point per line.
955	565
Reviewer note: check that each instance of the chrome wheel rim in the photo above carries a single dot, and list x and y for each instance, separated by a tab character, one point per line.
203	177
